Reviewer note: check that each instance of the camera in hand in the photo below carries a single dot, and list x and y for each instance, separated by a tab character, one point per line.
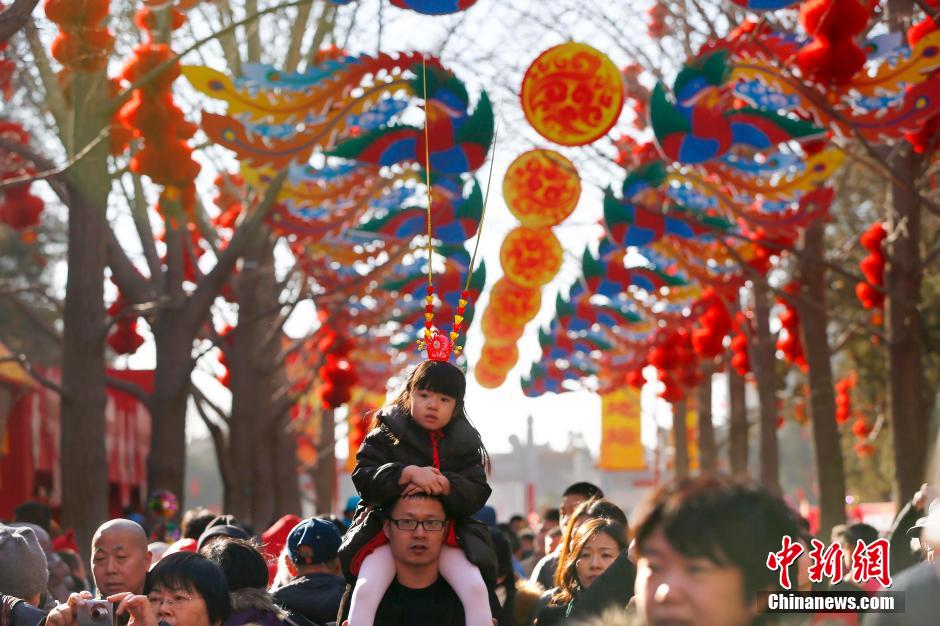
96	613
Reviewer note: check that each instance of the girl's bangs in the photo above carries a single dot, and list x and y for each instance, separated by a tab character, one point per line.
440	377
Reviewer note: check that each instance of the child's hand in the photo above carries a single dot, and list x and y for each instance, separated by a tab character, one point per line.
427	479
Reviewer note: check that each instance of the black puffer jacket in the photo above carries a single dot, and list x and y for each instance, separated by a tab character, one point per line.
399	442
315	597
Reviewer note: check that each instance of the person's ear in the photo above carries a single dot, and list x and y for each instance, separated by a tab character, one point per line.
385	526
149	559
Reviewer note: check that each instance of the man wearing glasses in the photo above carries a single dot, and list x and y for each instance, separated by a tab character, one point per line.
416	528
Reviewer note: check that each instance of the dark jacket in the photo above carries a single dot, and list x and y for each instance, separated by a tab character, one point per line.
17	612
315	597
901	557
254	607
612	588
398	442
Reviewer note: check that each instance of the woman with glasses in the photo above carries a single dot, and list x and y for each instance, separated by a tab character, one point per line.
186	589
183	589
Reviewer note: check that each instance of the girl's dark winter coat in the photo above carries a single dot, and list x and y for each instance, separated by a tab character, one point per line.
398	442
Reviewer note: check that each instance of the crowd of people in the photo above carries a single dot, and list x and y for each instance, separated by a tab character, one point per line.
420	547
694	553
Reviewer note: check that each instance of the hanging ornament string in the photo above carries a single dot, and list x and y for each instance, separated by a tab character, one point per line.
429	299
465	294
486	198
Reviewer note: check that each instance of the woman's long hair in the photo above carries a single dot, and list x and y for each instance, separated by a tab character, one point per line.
437	377
569	583
593	508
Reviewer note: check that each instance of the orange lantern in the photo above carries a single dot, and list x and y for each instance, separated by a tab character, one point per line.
499	331
541	188
487	378
531	256
572	94
499	358
515	302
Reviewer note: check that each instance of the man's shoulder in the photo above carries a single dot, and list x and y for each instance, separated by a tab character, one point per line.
25	614
923	576
318	584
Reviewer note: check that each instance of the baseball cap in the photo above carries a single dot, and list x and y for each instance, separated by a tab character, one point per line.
320	535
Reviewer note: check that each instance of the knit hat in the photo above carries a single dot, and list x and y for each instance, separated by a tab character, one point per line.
233	532
23	570
320	534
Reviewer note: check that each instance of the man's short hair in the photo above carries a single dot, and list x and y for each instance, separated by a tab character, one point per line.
35	513
600	508
388	508
588	490
729	522
865	532
551	515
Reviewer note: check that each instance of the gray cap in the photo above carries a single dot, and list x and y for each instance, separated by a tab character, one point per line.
23	571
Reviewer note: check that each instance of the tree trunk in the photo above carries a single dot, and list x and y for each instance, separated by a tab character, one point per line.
84	462
762	362
907	398
680	439
251	442
738	427
707	451
167	462
814	318
286	485
325	473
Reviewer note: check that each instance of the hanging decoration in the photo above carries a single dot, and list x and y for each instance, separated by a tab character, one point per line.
844	389
531	257
20	209
572	94
124	339
870	291
434	7
541	188
158	124
789	343
832	57
766	5
338	374
82	43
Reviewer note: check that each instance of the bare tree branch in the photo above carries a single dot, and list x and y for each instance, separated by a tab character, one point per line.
28	366
15	17
128	387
